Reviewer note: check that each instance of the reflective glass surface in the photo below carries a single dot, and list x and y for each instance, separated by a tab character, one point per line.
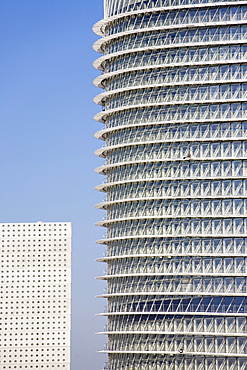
174	110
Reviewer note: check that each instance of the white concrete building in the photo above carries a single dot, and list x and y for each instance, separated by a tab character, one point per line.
35	294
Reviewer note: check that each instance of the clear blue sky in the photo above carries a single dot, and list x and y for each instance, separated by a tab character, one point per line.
47	143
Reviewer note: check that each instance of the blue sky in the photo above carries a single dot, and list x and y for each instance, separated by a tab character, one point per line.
47	143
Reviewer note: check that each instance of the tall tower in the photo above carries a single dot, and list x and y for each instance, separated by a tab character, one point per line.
175	130
35	266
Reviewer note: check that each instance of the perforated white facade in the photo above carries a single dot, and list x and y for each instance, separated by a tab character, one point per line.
35	295
174	115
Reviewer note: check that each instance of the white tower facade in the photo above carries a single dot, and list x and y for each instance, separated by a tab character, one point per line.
35	295
175	129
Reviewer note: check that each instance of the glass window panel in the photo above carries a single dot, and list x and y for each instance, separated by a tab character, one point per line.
224	72
231	345
217	245
205	133
226	129
209	362
238	225
226	187
216	227
216	187
237	148
227	206
227	226
206	246
242	349
237	206
215	148
220	363
240	285
217	265
206	227
216	207
245	127
237	187
236	129
216	168
226	149
195	226
205	169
